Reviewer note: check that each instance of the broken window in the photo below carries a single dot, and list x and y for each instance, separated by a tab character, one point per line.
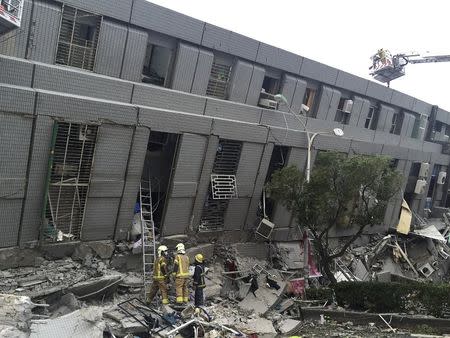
372	118
344	110
433	180
225	163
70	167
157	64
270	87
308	100
78	38
218	80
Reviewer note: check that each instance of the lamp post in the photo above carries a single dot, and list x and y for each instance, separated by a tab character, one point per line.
311	136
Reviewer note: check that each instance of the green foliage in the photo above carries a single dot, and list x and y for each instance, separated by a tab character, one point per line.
325	294
343	191
433	298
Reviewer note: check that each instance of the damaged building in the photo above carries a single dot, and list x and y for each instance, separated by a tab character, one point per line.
101	99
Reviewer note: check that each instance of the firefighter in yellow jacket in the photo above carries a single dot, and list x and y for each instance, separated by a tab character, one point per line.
160	276
181	273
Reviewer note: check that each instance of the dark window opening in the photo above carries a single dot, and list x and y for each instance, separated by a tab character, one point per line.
433	180
226	162
394	163
344	111
309	97
68	186
158	168
218	80
371	119
157	64
396	124
415	169
271	85
78	38
278	160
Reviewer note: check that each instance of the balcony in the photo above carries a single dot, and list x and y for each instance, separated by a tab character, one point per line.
10	15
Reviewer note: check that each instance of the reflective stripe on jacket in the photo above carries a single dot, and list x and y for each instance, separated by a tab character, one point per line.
181	265
160	269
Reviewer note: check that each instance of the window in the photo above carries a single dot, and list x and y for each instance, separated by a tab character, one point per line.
68	186
226	163
372	118
420	124
308	100
157	63
433	179
218	80
271	85
396	124
78	38
344	111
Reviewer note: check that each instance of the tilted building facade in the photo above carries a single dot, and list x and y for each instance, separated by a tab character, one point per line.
96	96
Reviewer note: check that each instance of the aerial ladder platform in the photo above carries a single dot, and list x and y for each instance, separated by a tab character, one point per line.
387	67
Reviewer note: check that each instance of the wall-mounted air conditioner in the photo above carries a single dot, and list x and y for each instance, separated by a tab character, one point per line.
441	177
347	107
267	100
424	169
420	187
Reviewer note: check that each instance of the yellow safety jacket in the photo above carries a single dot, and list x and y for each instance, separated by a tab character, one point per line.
160	269
181	266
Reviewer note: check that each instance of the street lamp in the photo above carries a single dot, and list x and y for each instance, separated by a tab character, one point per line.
310	135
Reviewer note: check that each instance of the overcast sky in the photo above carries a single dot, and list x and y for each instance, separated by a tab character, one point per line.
343	34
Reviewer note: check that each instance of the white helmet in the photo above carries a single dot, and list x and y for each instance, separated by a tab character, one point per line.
161	249
180	248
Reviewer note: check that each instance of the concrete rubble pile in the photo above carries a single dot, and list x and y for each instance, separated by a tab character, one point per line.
252	289
421	254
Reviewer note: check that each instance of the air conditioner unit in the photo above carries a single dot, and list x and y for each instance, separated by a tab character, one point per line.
347	107
265	228
424	169
267	100
420	187
441	177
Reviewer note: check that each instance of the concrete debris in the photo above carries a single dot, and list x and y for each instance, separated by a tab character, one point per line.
286	326
15	311
86	322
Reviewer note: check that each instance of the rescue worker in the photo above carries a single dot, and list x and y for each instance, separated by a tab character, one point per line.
160	276
199	280
181	273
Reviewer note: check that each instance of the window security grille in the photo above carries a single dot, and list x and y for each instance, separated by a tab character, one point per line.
70	173
226	163
223	186
78	38
218	80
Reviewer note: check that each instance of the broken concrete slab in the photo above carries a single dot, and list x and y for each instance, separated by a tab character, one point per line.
261	326
86	322
254	250
11	332
207	250
15	311
103	249
16	257
292	254
288	325
96	287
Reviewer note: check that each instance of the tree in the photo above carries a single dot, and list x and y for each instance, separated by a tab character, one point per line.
343	192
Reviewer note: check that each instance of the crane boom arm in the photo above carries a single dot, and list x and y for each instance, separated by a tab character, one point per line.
429	59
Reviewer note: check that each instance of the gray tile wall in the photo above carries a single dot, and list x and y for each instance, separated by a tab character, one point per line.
202	72
15	136
240	81
133	59
34	201
132	181
110	48
44	32
189	164
107	180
